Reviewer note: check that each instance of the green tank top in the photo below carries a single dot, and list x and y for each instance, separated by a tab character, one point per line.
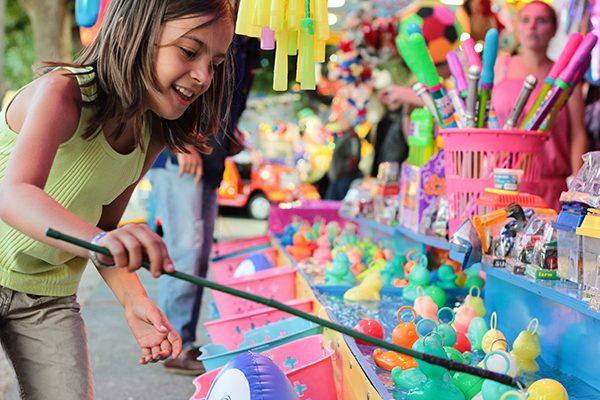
86	175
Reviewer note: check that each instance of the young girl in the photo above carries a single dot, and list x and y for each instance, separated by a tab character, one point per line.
73	145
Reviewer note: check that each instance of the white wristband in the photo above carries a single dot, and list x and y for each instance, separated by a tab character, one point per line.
94	256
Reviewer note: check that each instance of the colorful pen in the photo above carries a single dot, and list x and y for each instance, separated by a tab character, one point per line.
473	79
567	53
528	86
486	84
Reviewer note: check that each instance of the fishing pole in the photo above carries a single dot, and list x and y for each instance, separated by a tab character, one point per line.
442	362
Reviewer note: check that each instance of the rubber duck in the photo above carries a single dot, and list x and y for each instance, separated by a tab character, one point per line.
338	272
302	247
367	290
427	381
525	349
447	277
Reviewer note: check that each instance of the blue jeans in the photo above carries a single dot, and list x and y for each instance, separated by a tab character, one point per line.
187	213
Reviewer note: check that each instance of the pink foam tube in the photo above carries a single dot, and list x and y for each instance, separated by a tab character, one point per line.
579	57
457	71
574	41
468	48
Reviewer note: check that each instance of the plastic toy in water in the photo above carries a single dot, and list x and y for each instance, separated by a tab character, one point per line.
473	278
447	277
355	255
323	251
338	272
493	338
437	294
302	247
370	327
464	315
497	361
251	376
469	385
405	333
444	327
367	290
333	229
454	354
419	276
477	330
462	342
513	395
526	348
547	389
427	382
424	305
391	272
252	264
475	301
389	360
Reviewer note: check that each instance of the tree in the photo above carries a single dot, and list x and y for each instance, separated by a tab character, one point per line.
2	41
52	28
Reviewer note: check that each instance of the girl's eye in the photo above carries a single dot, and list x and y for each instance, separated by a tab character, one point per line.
188	53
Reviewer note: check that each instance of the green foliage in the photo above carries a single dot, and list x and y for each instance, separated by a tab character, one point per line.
19	50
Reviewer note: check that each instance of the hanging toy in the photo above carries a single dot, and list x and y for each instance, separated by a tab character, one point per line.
86	12
476	301
547	389
445	329
424	305
526	348
477	330
493	339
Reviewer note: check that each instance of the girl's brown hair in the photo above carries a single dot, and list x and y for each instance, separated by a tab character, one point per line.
122	56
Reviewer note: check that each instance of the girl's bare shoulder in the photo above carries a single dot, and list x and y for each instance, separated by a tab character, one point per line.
57	90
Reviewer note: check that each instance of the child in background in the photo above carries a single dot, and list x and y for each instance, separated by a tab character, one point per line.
74	144
344	167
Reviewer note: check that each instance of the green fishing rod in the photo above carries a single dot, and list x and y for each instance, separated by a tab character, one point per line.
442	362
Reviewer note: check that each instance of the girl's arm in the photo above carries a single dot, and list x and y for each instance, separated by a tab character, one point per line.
45	115
579	139
156	337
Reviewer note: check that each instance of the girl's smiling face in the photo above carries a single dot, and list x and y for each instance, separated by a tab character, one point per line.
188	52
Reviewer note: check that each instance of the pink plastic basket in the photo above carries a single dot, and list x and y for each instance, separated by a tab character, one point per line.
306	363
274	283
224	269
224	248
230	331
470	156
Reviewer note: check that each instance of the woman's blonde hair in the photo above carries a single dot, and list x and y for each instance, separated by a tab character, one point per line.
122	56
